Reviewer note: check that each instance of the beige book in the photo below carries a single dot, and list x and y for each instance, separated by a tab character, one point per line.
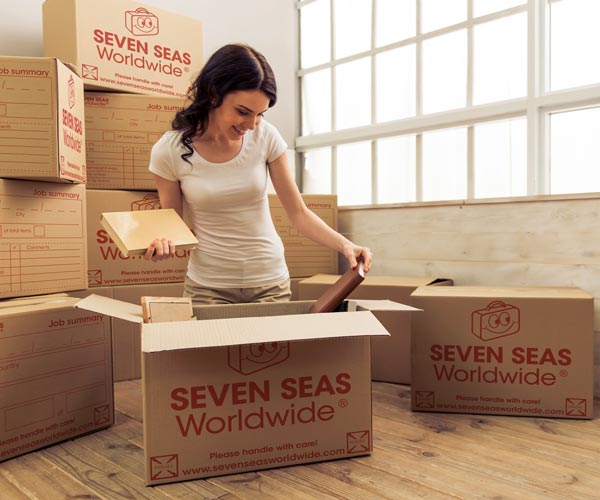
162	309
132	232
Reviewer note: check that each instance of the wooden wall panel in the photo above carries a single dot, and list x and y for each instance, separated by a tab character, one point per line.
541	242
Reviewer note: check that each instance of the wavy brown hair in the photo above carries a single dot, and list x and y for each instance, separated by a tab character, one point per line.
231	68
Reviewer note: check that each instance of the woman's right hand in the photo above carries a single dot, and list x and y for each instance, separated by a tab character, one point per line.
160	249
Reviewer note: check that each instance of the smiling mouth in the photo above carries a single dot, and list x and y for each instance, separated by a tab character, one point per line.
239	131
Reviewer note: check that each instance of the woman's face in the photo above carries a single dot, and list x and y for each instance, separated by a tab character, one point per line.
240	111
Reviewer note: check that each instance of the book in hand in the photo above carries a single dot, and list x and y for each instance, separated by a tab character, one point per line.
133	232
337	293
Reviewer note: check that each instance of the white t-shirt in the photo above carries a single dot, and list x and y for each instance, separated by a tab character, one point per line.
228	209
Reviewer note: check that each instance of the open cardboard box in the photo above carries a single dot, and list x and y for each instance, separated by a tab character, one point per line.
253	386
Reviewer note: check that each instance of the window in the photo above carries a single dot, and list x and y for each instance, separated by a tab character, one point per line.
431	100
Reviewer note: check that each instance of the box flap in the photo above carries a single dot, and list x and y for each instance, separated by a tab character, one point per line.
238	331
526	292
112	307
378	305
26	306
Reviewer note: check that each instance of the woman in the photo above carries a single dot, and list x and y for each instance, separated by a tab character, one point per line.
216	162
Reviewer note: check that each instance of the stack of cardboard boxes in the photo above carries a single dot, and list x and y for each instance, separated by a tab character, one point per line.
76	129
214	404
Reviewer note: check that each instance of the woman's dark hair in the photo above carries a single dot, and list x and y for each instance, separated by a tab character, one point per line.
231	68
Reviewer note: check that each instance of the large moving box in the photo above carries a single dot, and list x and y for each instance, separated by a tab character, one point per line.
55	373
120	132
42	136
107	265
42	238
503	350
390	355
253	386
303	256
120	45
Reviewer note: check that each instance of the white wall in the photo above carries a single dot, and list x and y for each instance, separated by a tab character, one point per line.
268	25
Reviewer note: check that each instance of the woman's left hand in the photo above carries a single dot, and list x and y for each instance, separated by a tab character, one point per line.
356	253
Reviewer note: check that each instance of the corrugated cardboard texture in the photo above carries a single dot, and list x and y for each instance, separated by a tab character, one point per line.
513	351
120	132
42	134
303	256
124	46
390	355
42	238
55	374
108	266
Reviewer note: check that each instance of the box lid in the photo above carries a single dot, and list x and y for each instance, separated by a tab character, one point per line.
257	330
112	307
502	291
36	305
357	322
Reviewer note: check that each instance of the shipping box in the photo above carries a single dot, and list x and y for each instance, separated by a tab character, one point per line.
42	133
390	355
120	130
303	256
42	238
504	350
124	46
107	265
253	386
55	373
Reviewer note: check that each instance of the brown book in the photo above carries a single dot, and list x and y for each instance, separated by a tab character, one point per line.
132	232
337	293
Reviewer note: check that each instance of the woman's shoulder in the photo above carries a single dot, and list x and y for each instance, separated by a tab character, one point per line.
169	140
266	128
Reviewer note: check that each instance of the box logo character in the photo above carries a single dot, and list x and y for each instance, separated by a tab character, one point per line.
253	358
149	202
496	320
71	92
141	22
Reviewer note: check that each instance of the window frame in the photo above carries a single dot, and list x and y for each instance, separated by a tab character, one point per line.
536	106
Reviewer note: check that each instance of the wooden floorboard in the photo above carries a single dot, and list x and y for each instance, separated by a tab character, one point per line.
416	456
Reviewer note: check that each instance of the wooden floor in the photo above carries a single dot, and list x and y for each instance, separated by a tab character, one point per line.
416	455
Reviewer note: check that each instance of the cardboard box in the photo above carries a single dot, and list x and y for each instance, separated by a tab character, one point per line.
506	351
390	355
42	238
42	135
107	265
216	404
303	256
55	373
124	46
126	340
120	130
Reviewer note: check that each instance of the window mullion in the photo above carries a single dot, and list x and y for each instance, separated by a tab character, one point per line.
374	157
537	125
